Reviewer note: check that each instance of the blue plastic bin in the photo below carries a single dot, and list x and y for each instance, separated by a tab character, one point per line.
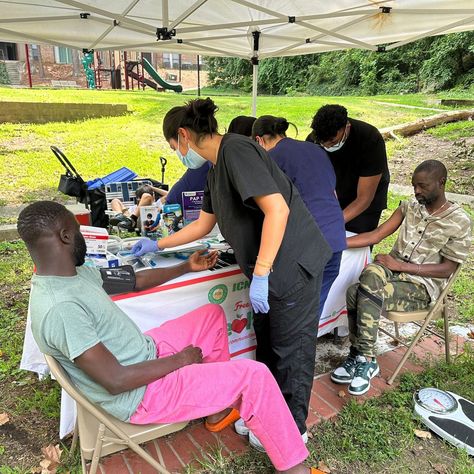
119	176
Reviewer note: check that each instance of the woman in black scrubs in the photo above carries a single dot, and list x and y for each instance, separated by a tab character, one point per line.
275	239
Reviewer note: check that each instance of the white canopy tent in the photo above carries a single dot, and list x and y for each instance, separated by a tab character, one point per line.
238	28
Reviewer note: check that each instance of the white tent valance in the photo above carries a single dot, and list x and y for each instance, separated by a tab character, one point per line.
240	28
225	27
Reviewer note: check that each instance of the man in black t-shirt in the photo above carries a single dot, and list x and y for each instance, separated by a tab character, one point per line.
357	151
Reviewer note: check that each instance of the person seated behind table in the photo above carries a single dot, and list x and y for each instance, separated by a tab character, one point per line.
195	179
357	151
161	376
434	238
309	168
126	218
191	180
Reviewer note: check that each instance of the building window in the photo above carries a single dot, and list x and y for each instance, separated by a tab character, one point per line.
62	55
34	51
8	52
170	60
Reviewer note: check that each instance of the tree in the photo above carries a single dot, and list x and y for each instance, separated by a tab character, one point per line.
429	64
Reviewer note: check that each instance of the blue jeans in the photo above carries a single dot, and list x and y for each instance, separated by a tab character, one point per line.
331	270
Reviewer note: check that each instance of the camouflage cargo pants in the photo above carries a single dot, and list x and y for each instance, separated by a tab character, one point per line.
379	289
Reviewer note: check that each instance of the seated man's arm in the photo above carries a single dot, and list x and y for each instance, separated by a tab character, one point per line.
103	367
366	188
428	270
377	235
197	262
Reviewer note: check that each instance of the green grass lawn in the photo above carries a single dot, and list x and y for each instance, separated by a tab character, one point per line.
453	130
29	171
376	436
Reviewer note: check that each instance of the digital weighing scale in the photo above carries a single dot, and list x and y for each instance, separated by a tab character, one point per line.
448	415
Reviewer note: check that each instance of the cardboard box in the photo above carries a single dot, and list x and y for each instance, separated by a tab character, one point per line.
172	217
96	240
192	205
106	261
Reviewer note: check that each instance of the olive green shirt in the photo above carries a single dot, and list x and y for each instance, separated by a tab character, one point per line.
427	239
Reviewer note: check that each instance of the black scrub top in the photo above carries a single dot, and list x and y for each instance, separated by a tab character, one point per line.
244	170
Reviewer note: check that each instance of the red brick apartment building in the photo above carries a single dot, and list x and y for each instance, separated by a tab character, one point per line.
55	66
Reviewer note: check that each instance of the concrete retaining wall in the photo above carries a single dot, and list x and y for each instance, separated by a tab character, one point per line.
37	112
457	102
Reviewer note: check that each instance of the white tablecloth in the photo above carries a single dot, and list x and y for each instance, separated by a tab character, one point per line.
227	287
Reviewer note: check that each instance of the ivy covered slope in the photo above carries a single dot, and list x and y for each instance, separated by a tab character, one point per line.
427	65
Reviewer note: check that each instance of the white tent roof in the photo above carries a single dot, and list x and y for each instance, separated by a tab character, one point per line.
224	27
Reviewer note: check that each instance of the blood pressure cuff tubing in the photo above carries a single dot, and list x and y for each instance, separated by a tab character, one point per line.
118	280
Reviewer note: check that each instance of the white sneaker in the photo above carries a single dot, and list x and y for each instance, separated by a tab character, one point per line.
241	428
364	373
345	372
255	442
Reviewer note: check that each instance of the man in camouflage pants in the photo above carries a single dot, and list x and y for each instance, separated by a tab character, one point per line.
434	237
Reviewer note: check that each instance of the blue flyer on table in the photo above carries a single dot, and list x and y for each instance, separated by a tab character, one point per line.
192	204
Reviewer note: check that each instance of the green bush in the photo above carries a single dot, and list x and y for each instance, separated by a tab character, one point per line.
429	64
4	79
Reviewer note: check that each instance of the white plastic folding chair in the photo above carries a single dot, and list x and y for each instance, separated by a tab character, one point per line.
100	433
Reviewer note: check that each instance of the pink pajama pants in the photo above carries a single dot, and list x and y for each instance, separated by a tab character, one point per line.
199	390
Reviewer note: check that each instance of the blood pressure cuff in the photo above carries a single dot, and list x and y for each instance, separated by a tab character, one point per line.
118	280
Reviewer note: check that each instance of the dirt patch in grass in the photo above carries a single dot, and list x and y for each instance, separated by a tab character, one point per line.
27	432
458	156
432	456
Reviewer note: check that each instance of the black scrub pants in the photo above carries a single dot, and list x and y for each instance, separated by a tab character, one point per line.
286	342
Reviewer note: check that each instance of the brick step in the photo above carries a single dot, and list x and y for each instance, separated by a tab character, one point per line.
327	399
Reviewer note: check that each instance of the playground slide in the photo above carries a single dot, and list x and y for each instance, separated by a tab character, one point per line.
139	78
154	74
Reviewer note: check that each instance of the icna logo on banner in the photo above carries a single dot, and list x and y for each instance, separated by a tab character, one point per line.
217	294
241	285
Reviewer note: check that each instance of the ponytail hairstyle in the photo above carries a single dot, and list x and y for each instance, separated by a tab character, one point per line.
196	115
270	125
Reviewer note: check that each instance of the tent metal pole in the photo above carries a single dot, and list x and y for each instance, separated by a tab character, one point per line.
254	60
198	76
28	67
254	89
165	13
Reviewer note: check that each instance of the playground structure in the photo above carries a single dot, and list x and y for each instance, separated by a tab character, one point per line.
31	65
160	83
124	75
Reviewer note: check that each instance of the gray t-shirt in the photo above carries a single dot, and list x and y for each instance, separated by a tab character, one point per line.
69	315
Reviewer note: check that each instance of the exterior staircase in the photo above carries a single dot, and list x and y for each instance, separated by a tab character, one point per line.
14	69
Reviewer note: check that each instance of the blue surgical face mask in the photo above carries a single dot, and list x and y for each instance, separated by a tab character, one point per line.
339	145
191	159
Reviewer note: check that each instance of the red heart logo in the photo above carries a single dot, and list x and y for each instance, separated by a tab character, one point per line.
238	325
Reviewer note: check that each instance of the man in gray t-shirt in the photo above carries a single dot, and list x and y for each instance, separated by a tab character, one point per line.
176	372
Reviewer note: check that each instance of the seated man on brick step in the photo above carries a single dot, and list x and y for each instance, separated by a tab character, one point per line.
178	371
434	238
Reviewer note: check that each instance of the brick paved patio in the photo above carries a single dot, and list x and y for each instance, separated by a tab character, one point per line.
179	449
